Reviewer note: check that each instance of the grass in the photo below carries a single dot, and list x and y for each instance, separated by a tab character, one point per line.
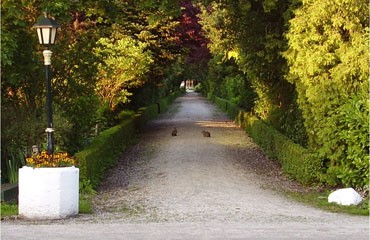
320	200
85	206
8	209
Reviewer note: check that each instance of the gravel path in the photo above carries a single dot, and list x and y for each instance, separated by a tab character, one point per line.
193	187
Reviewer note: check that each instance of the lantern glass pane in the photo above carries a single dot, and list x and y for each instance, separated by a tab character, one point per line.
39	34
53	34
46	35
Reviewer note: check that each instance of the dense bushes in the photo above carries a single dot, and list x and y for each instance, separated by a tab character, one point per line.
328	64
247	67
102	64
350	156
227	81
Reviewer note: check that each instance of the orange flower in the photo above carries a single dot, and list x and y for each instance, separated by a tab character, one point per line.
60	159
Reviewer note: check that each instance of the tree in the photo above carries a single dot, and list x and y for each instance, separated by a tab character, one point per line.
125	62
328	64
191	36
251	33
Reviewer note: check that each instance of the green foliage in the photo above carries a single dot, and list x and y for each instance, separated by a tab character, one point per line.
328	60
125	114
230	108
247	67
75	66
8	209
320	200
301	164
308	92
109	50
199	87
103	152
87	192
20	80
23	91
82	116
144	114
162	8
226	81
13	164
20	129
85	204
105	149
352	138
233	86
124	65
86	187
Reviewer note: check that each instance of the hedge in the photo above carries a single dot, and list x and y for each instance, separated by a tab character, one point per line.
105	149
298	162
103	152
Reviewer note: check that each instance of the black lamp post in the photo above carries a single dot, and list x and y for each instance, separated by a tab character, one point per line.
46	31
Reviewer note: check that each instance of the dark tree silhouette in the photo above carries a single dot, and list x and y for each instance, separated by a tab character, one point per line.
191	37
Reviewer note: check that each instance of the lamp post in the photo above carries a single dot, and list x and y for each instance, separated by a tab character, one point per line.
46	32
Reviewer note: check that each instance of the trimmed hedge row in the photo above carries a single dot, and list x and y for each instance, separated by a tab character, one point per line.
144	114
105	149
296	161
103	152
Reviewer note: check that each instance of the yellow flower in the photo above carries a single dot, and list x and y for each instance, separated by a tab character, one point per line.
60	159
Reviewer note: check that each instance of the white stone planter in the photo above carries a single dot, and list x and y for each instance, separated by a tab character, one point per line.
48	193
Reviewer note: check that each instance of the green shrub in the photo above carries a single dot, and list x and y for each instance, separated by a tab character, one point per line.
350	166
13	164
328	60
104	150
144	114
211	97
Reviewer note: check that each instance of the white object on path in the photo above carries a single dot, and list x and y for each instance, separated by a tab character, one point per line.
345	196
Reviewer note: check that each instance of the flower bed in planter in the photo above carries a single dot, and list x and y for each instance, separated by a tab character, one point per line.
48	193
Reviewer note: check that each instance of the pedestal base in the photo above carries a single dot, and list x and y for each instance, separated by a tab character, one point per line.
48	193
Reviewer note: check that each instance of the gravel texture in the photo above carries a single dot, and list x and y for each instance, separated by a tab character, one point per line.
193	178
193	187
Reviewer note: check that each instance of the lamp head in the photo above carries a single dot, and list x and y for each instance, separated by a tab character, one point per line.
46	30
